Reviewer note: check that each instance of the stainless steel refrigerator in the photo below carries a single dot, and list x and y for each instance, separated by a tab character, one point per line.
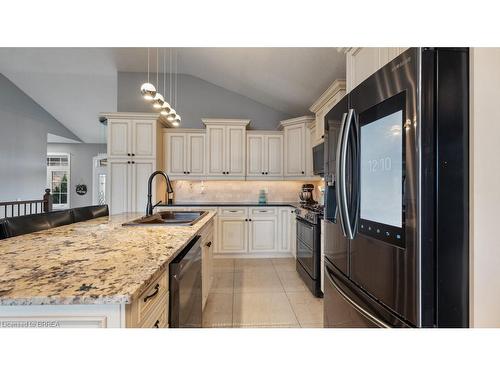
396	205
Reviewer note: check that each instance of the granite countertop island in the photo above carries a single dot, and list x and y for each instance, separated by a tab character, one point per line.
92	262
231	204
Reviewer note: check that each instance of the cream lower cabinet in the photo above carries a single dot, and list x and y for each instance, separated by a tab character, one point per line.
128	184
264	155
225	148
254	231
184	154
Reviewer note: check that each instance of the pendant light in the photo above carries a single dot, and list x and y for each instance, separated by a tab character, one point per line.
158	99
165	108
148	91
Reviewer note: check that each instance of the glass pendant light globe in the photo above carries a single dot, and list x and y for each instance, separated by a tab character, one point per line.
171	115
176	123
177	117
158	100
165	109
148	91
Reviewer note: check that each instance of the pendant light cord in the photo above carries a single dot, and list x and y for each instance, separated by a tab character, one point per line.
148	64
170	75
157	67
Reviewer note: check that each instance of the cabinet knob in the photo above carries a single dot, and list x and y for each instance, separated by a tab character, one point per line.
267	172
227	172
208	244
128	162
133	162
188	172
249	219
128	154
133	154
303	172
262	172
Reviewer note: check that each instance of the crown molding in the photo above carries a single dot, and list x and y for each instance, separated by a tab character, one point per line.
297	120
337	86
225	121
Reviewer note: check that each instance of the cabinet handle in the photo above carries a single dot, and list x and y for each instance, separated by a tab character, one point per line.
208	244
262	172
157	324
233	210
133	154
128	154
128	162
322	137
188	172
267	172
184	172
157	289
263	211
246	219
133	162
249	219
227	172
303	172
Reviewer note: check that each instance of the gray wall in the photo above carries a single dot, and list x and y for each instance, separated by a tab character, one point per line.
81	167
23	143
198	99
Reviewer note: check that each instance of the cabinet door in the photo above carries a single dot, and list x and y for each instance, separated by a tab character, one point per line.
235	150
144	138
195	155
233	235
215	143
255	155
293	234
176	154
361	63
263	234
119	138
141	170
119	173
284	229
295	150
274	155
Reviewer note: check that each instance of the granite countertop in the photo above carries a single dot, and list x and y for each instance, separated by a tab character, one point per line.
92	262
232	204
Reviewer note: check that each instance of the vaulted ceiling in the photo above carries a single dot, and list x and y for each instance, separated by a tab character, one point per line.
75	84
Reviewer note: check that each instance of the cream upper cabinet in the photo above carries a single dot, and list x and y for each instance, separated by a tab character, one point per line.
119	137
130	137
255	154
134	152
264	155
323	105
184	153
195	160
297	147
273	155
143	139
226	148
362	62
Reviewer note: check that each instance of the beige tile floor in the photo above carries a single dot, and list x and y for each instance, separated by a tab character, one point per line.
260	293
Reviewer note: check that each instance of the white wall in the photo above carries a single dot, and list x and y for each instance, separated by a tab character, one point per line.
485	187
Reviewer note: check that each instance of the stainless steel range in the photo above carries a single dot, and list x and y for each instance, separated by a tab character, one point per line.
309	247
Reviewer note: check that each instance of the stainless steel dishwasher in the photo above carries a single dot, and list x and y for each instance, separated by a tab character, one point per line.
185	287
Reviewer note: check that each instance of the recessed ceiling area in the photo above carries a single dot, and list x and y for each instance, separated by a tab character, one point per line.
75	84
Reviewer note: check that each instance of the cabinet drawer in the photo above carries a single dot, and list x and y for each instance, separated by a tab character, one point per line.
147	302
263	211
233	211
158	318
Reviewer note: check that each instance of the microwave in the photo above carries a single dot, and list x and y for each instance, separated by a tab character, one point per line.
319	159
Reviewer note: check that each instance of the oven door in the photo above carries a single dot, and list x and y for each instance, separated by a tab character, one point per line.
307	247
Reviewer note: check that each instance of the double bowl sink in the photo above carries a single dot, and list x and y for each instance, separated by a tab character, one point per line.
169	218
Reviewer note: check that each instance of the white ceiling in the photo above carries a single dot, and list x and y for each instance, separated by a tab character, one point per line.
75	84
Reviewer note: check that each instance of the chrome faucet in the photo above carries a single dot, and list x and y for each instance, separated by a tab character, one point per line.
150	207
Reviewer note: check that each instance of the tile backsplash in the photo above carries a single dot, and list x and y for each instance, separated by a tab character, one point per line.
238	191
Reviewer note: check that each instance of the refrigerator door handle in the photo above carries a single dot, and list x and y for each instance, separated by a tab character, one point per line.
342	182
339	174
361	310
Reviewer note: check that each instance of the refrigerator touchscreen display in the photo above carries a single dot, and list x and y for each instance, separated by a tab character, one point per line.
381	174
